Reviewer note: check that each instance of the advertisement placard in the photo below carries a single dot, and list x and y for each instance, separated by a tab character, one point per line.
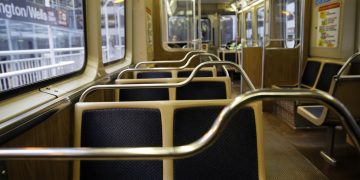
328	26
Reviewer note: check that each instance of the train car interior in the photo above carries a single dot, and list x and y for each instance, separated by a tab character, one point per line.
180	89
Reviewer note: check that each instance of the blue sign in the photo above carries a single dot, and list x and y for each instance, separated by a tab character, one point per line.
317	2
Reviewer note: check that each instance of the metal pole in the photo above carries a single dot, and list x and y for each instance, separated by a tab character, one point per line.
266	10
302	36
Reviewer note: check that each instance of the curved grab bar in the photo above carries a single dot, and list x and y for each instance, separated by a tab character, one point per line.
160	153
169	61
171	68
169	85
348	61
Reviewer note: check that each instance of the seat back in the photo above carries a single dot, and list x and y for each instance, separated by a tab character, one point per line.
145	94
110	125
186	73
233	156
205	88
310	73
198	89
152	75
238	153
329	70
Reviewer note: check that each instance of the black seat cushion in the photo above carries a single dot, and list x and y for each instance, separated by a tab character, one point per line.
201	90
310	73
234	154
121	128
150	75
328	72
146	94
198	74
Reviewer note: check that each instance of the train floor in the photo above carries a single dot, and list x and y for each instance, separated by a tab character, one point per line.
295	154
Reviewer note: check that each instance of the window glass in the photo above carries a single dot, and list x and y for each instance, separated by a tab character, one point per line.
113	30
180	27
249	32
291	31
205	30
228	27
260	25
40	39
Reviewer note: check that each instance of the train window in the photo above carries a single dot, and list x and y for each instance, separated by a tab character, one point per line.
290	24
39	40
289	21
249	32
205	30
179	25
112	30
260	25
228	27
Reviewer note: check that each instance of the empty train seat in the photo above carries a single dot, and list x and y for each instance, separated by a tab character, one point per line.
233	156
310	74
238	153
148	75
200	88
317	74
329	70
187	73
155	74
345	90
110	126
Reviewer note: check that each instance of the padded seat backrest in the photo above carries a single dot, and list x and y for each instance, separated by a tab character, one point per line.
198	89
186	74
238	153
205	88
328	72
233	156
144	94
124	127
152	75
310	73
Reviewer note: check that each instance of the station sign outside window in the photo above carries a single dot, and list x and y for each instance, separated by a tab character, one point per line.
34	13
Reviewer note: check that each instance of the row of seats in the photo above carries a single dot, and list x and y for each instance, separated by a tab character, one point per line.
206	72
170	116
323	75
197	89
237	154
317	74
344	87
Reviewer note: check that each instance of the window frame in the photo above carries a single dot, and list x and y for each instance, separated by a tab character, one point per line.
125	45
7	94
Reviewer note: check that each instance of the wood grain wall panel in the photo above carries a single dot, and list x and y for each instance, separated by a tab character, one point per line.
281	67
252	64
57	131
